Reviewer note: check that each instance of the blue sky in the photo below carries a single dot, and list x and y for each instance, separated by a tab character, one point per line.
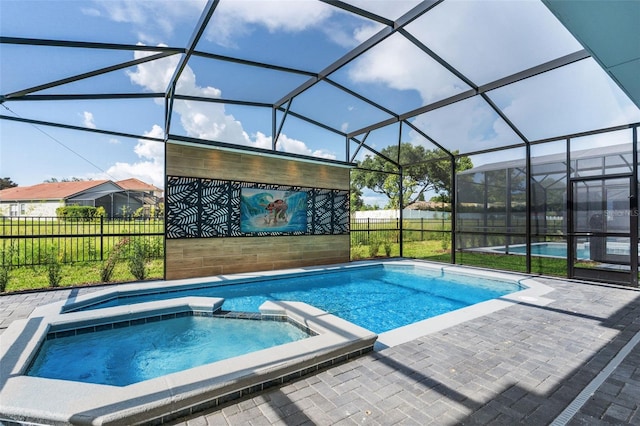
485	40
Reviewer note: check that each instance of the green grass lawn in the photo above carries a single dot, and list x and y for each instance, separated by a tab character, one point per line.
36	277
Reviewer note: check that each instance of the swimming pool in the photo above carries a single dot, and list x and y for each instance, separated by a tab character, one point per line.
379	298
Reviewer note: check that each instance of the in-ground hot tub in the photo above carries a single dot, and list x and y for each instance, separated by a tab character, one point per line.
54	401
131	351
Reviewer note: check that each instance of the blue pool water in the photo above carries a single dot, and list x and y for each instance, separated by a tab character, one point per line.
123	356
377	298
549	250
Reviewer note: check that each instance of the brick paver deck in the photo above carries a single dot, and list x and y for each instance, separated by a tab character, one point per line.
522	365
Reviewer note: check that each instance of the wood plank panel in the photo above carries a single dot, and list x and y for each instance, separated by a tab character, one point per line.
199	257
216	164
253	254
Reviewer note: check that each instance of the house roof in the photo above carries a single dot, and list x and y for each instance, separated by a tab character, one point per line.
49	191
134	184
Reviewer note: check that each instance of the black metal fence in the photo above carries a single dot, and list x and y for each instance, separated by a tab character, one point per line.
31	241
28	241
363	231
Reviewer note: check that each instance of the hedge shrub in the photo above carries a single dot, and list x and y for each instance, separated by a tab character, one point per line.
76	212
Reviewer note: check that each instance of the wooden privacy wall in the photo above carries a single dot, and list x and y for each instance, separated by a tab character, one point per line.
199	257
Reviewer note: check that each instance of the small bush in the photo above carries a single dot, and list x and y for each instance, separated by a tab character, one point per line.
76	212
106	270
138	260
374	247
6	259
445	241
387	248
100	212
4	278
54	267
357	251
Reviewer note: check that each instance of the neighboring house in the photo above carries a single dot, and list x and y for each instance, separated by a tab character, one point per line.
150	195
43	199
137	185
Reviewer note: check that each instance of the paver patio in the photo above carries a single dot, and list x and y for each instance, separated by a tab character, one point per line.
522	365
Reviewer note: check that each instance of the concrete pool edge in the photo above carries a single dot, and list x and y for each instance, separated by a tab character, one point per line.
532	293
138	288
174	395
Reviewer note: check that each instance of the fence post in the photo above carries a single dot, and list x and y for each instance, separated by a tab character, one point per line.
368	230
101	238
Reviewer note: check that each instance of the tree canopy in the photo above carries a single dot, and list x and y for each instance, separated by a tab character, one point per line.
6	182
72	179
423	171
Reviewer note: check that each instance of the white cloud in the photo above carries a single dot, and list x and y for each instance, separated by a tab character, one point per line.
155	75
291	145
207	120
90	11
295	146
236	18
390	9
466	126
149	169
492	39
576	98
88	121
153	20
399	64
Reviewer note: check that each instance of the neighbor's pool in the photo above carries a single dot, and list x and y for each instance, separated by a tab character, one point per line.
379	298
550	250
544	250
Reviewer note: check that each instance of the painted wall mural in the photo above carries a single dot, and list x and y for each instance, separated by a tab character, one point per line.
209	208
274	211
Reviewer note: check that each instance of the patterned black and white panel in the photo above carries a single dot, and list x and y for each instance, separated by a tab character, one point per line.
183	203
310	203
216	207
341	212
209	208
323	212
234	213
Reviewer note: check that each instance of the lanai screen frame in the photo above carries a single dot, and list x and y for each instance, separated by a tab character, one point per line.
282	106
568	172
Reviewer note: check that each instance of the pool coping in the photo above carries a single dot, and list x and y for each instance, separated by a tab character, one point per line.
68	306
174	395
531	294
